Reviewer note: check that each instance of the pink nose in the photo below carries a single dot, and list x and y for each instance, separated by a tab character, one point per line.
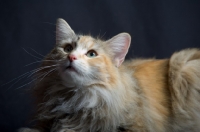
72	58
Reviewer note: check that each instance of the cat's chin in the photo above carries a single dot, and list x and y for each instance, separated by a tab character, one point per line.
72	77
71	69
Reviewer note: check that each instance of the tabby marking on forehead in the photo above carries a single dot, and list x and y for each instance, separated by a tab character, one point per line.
86	41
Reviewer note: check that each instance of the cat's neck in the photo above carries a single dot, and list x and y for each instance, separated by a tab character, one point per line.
110	101
112	95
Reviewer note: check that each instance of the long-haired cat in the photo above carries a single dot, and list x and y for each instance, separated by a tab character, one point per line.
86	86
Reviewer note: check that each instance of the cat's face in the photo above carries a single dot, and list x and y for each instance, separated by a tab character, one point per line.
87	61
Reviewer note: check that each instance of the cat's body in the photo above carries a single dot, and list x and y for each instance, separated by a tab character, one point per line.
91	90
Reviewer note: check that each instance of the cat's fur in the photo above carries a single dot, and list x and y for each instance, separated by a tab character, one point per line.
103	94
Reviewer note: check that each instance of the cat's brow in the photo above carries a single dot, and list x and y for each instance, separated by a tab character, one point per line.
86	42
73	43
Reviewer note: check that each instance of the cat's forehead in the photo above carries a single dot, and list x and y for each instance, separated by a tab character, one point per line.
87	42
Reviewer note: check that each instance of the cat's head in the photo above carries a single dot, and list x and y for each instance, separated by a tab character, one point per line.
86	60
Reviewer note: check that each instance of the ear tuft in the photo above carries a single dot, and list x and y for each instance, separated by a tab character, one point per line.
63	31
119	46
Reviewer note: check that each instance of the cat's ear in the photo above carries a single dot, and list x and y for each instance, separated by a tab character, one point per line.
119	46
63	31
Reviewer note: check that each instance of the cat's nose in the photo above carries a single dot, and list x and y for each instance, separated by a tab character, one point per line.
72	58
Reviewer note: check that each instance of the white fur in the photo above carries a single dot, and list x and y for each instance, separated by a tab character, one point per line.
185	79
105	103
94	104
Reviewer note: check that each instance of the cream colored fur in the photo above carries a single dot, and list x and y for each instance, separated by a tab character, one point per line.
105	93
184	78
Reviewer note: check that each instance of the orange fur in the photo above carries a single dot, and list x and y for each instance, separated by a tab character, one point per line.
152	78
100	93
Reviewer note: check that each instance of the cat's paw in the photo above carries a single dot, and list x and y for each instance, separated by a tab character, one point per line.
28	130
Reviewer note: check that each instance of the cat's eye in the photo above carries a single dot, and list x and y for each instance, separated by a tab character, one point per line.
91	53
68	48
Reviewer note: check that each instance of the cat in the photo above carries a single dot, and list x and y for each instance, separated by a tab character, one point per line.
85	85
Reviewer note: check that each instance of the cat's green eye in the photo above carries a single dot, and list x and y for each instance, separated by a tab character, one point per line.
91	53
68	48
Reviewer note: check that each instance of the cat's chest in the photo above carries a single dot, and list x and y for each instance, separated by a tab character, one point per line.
91	109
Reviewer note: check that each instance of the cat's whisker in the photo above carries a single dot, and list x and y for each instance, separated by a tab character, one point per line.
27	74
49	23
37	52
21	76
32	63
44	67
41	61
92	76
88	76
41	68
47	73
102	35
16	82
99	34
31	54
16	78
30	81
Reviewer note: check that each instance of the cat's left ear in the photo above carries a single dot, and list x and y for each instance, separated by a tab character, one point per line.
63	31
119	46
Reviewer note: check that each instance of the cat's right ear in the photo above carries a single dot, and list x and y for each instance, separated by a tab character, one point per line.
63	31
119	46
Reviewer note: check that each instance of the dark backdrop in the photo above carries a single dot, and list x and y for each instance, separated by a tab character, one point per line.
158	28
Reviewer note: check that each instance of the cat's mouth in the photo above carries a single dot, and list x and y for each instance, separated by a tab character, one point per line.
71	68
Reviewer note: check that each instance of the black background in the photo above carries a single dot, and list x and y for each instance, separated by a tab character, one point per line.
158	28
